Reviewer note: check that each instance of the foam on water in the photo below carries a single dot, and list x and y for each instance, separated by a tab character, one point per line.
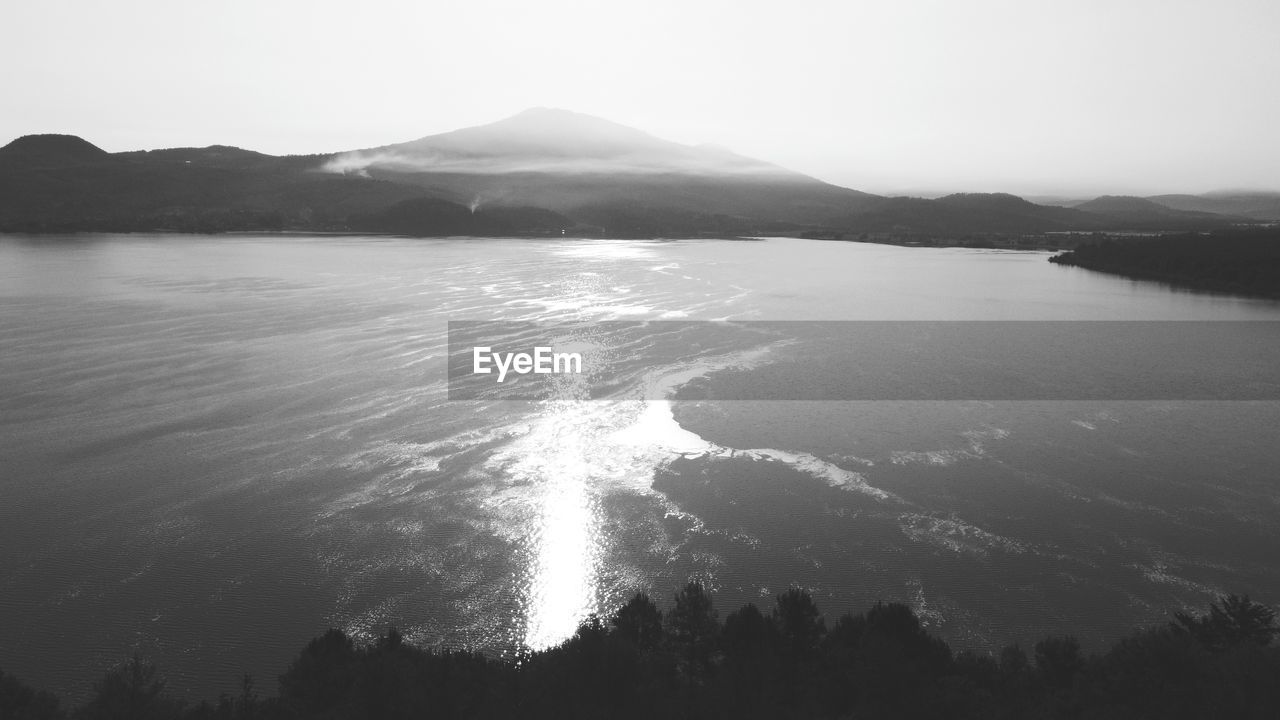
553	478
832	474
956	535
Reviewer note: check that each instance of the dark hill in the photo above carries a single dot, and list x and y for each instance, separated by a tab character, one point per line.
223	156
1001	213
51	150
1014	211
967	213
1139	212
1263	206
83	189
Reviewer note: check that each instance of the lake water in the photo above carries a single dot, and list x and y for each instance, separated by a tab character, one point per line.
213	448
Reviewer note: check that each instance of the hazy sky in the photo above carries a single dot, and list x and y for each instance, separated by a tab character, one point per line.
1025	96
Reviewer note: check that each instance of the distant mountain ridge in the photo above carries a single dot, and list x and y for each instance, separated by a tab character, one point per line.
1143	211
542	171
967	213
1254	205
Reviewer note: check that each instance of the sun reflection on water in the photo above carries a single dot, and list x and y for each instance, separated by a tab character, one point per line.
574	455
556	475
563	580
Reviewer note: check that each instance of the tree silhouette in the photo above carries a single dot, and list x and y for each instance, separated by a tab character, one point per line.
692	622
799	623
800	629
1058	660
747	634
639	622
130	691
787	664
898	661
1232	620
692	629
320	679
749	641
20	701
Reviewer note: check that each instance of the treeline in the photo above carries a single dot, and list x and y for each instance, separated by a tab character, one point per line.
784	663
1243	261
426	217
178	220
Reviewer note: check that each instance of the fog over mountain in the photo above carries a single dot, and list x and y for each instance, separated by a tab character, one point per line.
604	174
554	141
542	171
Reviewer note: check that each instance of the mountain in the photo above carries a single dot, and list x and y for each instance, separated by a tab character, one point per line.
69	185
1136	212
541	172
520	175
555	142
967	213
1261	206
220	156
44	151
604	174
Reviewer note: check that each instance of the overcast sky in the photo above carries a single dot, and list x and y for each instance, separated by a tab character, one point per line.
1026	96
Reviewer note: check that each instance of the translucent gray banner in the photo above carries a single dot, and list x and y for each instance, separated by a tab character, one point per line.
800	360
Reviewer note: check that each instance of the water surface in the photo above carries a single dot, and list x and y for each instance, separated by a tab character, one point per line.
212	448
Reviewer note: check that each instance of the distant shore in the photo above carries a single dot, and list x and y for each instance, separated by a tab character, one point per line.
1239	261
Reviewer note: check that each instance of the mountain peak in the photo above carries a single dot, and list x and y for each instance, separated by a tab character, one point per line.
985	200
552	141
557	114
561	117
544	132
